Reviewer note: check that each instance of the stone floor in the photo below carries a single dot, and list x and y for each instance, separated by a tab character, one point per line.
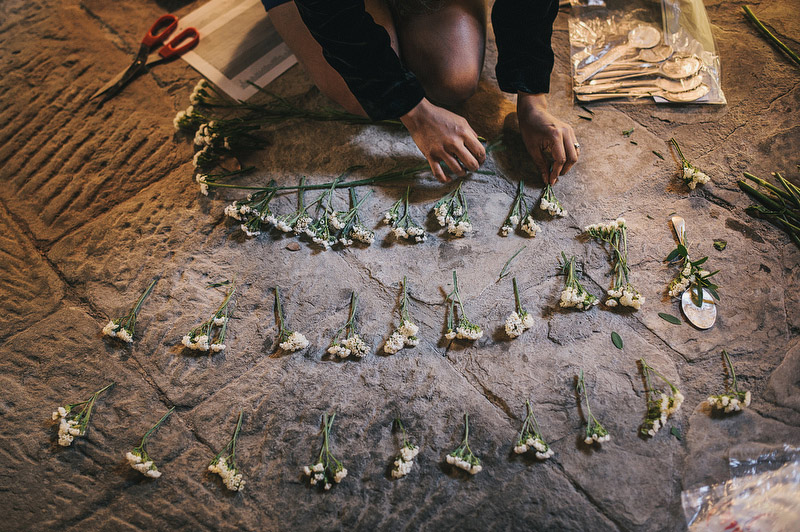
98	200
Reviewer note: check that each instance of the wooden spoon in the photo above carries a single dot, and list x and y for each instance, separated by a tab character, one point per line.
677	68
669	85
639	37
677	97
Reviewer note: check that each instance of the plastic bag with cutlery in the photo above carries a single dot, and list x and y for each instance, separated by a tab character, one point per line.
641	51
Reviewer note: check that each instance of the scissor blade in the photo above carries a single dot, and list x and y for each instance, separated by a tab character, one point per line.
118	81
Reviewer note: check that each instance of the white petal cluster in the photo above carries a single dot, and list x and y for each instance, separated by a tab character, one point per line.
597	435
626	296
472	465
573	297
340	475
318	475
354	345
67	428
441	214
196	343
185	119
361	233
509	225
202	181
605	230
731	402
115	330
231	477
199	93
405	461
666	406
554	208
111	329
460	228
417	233
237	211
403	336
146	467
693	177
468	331
516	324
294	342
529	226
536	444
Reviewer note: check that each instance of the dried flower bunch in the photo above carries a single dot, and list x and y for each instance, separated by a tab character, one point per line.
253	212
139	459
550	204
210	335
327	470
347	341
408	451
224	463
123	328
73	419
595	432
734	400
403	226
452	212
615	234
660	406
406	334
287	340
465	330
689	173
520	320
462	456
574	294
530	437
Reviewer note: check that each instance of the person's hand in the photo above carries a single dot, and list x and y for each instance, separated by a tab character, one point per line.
445	137
551	142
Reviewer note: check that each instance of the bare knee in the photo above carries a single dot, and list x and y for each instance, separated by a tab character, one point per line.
450	86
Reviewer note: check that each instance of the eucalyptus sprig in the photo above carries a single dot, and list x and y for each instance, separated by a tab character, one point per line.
462	456
595	432
327	469
139	459
734	400
530	437
660	406
74	418
210	335
347	341
465	329
123	328
403	226
224	463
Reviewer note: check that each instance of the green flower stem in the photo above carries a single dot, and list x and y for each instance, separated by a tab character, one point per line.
750	15
83	416
733	372
520	310
582	389
766	184
533	417
504	271
648	368
457	295
404	305
678	149
154	427
769	202
129	321
279	311
403	429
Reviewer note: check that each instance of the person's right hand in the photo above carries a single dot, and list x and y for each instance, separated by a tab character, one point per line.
445	137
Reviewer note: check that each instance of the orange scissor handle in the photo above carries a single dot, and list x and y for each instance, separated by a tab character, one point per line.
161	29
182	42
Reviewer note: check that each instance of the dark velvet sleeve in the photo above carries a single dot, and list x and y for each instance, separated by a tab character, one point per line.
360	50
523	29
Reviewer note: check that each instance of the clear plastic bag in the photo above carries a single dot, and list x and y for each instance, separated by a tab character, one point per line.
763	495
640	51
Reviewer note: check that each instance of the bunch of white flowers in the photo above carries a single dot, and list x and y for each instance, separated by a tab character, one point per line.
615	234
348	224
452	212
287	340
138	458
405	460
351	343
691	275
406	334
520	320
595	432
210	335
465	330
529	226
733	401
689	173
122	328
225	464
327	469
254	211
203	93
518	210
74	418
530	437
574	294
550	204
402	224
188	119
660	406
462	457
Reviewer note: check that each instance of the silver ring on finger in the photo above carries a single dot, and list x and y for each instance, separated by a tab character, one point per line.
577	145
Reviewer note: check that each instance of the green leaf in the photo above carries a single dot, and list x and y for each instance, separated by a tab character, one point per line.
658	155
628	132
719	245
698	262
713	291
670	318
675	432
617	340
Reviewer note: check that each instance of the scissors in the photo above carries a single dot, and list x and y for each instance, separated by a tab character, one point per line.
161	29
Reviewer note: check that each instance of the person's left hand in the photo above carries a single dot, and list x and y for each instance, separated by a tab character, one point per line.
551	142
